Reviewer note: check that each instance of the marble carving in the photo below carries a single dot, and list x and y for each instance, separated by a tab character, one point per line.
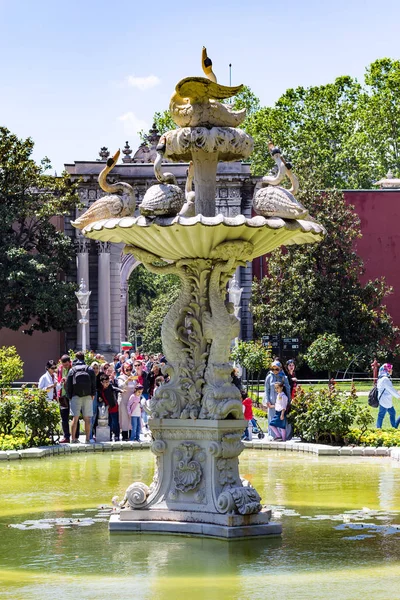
109	206
196	418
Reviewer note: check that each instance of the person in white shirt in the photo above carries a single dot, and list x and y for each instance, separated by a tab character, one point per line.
386	392
48	380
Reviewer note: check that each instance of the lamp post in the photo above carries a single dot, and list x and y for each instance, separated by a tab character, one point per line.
83	300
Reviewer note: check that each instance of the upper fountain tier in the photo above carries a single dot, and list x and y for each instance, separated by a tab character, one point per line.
175	224
206	133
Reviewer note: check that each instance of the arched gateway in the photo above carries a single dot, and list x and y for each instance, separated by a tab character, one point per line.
106	269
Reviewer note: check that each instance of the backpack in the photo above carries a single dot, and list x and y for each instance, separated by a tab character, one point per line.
373	399
81	381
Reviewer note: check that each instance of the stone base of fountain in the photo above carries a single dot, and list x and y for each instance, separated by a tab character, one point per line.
196	489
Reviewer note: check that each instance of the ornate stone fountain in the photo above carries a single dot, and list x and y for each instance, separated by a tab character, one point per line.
196	418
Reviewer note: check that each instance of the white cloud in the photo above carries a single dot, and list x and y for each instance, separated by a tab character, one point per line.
143	83
132	124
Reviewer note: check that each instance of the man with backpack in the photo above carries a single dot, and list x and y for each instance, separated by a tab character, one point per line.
81	388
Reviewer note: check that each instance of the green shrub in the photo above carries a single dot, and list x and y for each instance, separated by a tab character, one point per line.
324	416
373	437
10	367
259	413
39	416
326	353
13	442
8	414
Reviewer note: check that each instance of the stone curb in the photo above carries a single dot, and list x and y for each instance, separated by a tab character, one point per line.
256	444
62	449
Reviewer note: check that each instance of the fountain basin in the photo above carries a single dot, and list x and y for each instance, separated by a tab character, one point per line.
172	238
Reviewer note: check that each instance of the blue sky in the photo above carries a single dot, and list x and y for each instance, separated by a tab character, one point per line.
77	75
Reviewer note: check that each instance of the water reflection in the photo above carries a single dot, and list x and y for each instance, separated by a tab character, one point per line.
87	562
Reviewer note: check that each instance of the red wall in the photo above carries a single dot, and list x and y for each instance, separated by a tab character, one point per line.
35	350
379	212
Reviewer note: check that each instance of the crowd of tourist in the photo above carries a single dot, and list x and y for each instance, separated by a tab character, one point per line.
122	387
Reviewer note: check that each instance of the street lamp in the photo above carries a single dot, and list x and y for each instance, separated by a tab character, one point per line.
83	300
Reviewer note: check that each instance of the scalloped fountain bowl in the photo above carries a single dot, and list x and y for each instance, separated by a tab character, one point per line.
196	237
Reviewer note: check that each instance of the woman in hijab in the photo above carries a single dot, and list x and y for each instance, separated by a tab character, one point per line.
386	392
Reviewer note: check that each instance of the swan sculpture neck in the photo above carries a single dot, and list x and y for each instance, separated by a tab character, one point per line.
284	170
160	176
113	188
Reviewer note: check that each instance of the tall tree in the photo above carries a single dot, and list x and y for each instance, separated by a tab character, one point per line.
150	298
315	288
314	128
379	117
35	254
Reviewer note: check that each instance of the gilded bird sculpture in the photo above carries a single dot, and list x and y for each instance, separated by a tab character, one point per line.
166	198
109	207
272	200
195	102
189	209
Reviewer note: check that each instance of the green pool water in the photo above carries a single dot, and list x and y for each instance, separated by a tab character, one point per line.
312	559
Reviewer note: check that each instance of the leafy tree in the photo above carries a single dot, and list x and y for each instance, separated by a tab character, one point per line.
143	290
379	117
314	128
254	357
35	254
150	298
170	286
326	353
314	289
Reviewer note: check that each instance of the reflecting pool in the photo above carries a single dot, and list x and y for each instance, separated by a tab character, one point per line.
66	552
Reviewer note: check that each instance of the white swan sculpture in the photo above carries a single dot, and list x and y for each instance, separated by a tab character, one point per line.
109	206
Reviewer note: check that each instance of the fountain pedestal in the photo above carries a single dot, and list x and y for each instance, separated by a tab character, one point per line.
196	488
197	417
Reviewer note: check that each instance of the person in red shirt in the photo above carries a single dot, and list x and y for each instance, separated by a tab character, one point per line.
248	414
107	394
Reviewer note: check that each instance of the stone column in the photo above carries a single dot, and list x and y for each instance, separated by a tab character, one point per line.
82	272
104	298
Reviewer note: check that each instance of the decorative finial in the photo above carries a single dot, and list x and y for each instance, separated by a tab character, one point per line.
127	151
153	137
104	153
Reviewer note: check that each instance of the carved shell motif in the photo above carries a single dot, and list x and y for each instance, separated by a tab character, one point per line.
274	201
188	472
187	476
163	200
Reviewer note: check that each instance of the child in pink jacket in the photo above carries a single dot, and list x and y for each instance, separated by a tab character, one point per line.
134	411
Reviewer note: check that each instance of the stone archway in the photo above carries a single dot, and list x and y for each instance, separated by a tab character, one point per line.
128	264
